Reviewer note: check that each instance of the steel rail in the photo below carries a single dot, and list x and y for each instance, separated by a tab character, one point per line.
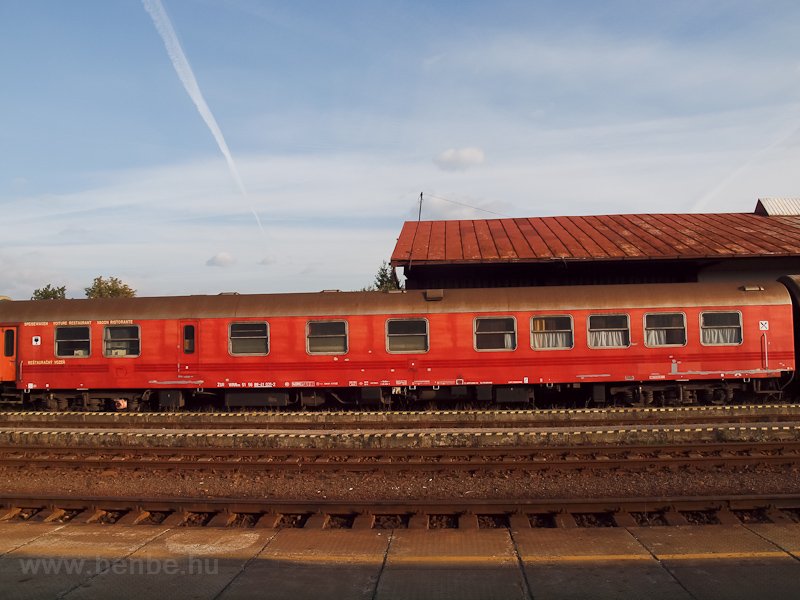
403	459
405	419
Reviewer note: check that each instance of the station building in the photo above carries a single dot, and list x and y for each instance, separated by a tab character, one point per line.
637	248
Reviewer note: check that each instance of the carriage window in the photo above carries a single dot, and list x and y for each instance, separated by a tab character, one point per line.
495	333
407	335
121	341
609	331
326	337
8	343
551	333
721	328
250	338
665	329
72	341
188	339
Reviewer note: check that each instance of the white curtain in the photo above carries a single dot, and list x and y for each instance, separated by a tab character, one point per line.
722	335
608	339
655	337
552	339
509	341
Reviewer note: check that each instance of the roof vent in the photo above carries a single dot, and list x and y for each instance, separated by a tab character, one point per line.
434	295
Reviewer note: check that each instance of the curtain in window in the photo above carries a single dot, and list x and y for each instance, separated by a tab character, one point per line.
608	339
722	335
553	339
509	341
655	337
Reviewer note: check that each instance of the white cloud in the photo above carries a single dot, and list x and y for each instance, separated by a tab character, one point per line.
222	259
153	227
585	116
459	159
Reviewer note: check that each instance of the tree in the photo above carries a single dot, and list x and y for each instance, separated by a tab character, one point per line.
109	288
49	292
384	279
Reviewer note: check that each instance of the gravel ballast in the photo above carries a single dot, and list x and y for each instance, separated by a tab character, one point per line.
507	485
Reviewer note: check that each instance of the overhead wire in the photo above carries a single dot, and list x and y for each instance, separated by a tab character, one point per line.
419	218
465	205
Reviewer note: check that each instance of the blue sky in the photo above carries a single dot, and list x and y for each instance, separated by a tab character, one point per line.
338	114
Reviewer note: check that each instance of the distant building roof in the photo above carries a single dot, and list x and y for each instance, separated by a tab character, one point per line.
778	206
770	232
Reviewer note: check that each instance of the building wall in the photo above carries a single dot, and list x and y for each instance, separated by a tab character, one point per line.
750	269
592	272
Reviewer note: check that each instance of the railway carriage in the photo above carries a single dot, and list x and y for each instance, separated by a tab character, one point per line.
655	343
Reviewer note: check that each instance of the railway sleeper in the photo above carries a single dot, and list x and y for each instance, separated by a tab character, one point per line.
632	516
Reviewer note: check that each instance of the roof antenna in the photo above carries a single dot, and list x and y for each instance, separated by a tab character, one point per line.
419	218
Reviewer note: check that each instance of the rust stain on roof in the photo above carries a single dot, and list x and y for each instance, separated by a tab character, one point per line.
603	237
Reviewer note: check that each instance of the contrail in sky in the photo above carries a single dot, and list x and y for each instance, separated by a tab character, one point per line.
186	75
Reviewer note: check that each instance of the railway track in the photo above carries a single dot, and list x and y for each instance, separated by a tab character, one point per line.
462	514
700	455
688	458
378	420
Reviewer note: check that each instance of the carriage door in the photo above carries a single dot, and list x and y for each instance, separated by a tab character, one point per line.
187	348
8	357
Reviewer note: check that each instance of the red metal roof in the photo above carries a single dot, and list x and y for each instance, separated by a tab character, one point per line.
608	237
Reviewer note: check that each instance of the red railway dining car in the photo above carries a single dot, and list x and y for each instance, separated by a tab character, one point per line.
662	343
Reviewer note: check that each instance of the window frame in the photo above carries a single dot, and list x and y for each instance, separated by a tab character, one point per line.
702	328
589	331
401	319
267	337
685	329
188	344
494	317
557	348
56	341
138	338
346	337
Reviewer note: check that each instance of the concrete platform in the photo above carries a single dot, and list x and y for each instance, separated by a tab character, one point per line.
457	564
78	561
786	537
181	563
592	563
13	536
299	564
61	561
725	562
